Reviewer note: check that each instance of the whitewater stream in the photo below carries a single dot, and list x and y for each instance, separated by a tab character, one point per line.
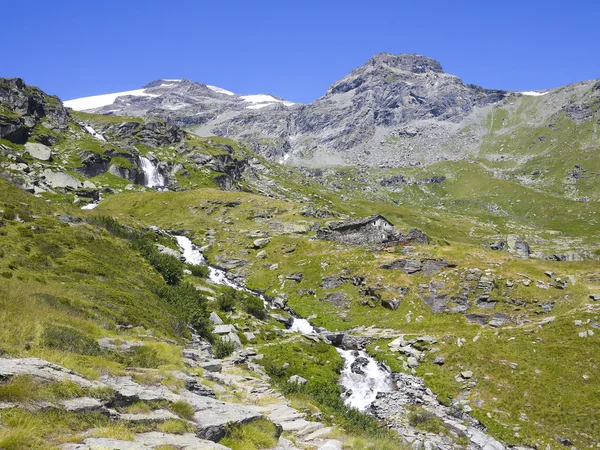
152	176
362	380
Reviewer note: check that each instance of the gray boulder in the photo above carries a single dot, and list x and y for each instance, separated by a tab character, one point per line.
297	379
61	180
38	151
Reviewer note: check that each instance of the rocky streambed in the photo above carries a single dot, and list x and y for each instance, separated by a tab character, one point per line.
369	386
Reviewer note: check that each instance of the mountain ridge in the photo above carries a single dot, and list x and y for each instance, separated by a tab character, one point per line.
394	110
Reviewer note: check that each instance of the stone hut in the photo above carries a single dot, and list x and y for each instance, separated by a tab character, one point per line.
374	229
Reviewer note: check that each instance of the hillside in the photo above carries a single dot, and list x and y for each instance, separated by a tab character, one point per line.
475	280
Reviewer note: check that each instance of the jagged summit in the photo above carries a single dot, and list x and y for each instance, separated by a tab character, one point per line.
408	62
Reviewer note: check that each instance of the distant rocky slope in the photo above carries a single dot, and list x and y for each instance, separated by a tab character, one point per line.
394	111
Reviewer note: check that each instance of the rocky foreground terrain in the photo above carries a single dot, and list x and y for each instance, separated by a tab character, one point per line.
168	290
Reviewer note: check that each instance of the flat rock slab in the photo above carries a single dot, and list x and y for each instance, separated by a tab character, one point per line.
145	441
82	404
158	415
183	441
285	444
212	416
332	444
130	391
40	368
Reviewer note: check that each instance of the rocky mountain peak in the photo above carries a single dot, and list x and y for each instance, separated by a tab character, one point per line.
407	62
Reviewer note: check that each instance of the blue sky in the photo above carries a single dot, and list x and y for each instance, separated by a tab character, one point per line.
292	49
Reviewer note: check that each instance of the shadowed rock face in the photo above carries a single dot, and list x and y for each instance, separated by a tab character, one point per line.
22	107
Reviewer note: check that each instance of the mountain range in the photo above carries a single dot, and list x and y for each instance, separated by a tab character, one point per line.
394	111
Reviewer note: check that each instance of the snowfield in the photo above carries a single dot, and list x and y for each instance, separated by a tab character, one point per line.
533	93
97	101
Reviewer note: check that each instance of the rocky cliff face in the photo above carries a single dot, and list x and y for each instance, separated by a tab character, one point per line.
23	107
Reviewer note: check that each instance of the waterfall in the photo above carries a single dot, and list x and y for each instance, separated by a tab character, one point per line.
302	326
363	378
191	253
152	177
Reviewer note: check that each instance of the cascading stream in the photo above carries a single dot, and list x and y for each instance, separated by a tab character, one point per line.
152	177
362	376
362	380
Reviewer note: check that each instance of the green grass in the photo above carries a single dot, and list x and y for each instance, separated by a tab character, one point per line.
182	409
255	435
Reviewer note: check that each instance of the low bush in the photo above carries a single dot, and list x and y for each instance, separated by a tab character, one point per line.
222	348
69	340
199	271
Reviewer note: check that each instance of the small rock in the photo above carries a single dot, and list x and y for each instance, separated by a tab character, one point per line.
260	243
297	277
550	274
595	297
412	362
224	329
466	374
391	304
439	360
211	366
297	379
82	404
215	319
274	267
262	254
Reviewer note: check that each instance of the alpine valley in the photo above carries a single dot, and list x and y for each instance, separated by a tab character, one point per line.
406	262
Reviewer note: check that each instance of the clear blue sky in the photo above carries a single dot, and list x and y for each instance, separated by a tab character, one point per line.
293	49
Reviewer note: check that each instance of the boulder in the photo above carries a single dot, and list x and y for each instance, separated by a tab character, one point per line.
211	366
38	151
498	320
61	180
517	246
297	379
82	405
391	304
224	329
215	319
260	243
297	277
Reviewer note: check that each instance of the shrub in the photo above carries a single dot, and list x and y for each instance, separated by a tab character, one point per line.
226	301
222	348
425	420
170	267
69	340
254	306
190	304
142	356
198	270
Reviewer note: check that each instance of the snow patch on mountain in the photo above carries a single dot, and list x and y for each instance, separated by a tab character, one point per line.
263	100
533	93
97	101
219	90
